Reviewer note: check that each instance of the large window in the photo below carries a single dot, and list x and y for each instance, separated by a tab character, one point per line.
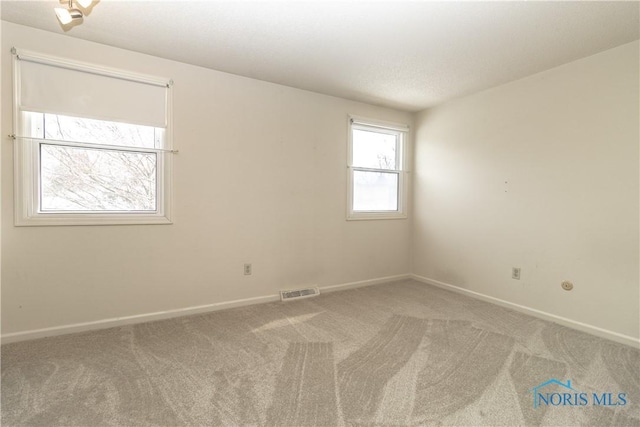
376	170
92	144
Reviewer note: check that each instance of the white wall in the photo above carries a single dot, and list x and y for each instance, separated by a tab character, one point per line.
260	178
1	97
565	141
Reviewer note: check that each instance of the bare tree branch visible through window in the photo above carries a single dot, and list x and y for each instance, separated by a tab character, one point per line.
97	179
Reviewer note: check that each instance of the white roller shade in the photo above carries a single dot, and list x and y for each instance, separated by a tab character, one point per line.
355	121
77	90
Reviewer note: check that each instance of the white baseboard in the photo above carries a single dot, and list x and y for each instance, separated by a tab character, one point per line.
160	315
594	330
128	320
362	283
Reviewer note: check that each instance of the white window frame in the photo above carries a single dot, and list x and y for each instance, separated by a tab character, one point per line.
27	211
401	130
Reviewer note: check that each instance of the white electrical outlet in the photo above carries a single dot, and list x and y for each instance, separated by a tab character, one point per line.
515	273
247	269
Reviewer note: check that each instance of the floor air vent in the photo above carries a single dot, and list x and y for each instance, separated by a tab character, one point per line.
299	293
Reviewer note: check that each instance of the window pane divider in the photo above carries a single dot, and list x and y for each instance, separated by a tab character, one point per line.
91	145
361	169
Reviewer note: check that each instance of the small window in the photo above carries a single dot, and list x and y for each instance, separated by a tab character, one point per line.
376	170
97	154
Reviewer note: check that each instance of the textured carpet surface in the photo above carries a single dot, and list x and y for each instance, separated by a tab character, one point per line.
401	353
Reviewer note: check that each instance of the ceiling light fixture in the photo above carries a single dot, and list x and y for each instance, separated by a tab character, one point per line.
71	13
84	3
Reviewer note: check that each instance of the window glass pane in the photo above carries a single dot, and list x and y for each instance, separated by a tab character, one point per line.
374	149
81	179
375	191
66	128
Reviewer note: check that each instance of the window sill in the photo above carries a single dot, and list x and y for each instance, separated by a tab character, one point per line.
374	216
90	219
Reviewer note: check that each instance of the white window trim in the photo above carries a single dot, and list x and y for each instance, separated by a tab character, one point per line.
403	131
26	162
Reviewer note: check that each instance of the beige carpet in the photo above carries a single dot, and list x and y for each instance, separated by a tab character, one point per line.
401	353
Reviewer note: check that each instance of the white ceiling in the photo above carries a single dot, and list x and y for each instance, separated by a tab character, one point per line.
408	55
